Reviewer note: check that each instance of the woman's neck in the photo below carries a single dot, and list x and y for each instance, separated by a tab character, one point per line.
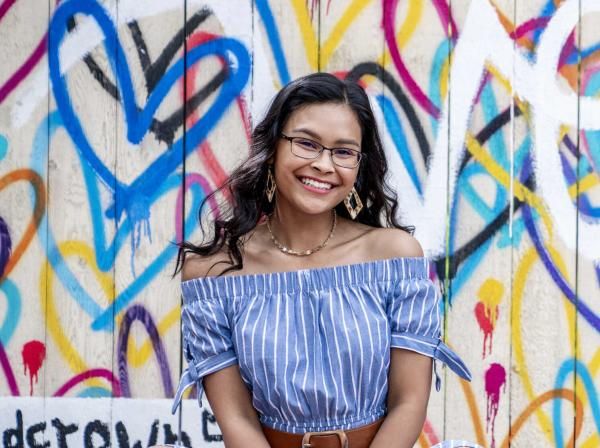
300	231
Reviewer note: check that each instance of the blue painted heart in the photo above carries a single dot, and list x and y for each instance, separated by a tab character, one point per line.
158	177
138	119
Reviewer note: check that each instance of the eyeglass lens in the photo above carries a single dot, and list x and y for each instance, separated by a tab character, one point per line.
309	149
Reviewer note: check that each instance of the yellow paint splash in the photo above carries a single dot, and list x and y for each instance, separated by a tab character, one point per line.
490	294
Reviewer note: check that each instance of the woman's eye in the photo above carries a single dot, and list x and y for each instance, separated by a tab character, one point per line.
308	144
343	152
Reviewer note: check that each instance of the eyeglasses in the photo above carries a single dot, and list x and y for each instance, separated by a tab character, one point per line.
309	149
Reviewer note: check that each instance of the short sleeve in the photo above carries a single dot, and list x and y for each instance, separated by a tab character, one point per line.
207	343
413	311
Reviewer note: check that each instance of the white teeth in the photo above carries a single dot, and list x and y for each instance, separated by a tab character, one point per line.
316	184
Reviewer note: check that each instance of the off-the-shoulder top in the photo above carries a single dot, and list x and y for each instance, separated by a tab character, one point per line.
313	345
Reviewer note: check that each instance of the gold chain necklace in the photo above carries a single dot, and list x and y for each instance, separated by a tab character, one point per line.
301	253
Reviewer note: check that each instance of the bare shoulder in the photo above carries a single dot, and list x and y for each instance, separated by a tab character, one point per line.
197	266
391	243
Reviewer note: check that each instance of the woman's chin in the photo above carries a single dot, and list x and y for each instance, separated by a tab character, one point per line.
316	209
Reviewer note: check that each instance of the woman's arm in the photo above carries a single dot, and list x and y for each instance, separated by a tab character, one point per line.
408	394
232	405
225	390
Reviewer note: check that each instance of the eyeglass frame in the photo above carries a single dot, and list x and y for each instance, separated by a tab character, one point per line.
360	154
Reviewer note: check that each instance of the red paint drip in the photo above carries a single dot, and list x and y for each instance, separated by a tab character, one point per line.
34	353
486	323
430	433
495	378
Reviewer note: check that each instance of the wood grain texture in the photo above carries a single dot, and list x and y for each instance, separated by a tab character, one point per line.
479	319
94	283
22	205
587	339
77	286
538	304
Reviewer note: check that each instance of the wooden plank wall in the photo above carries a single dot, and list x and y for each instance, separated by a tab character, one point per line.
489	114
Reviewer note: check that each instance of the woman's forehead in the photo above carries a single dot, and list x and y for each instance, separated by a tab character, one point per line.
326	120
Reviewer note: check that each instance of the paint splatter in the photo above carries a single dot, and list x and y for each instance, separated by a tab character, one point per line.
315	6
3	146
486	311
495	379
5	246
139	214
34	353
486	325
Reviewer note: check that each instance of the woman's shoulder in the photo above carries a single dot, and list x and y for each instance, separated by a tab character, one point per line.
201	266
387	243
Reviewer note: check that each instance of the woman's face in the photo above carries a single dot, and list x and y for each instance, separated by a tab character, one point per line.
316	186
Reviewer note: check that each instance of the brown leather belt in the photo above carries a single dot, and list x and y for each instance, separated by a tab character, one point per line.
352	438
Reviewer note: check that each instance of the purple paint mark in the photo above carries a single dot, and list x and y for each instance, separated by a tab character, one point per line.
567	49
486	78
5	246
586	312
138	312
21	73
33	353
24	70
88	374
529	26
445	16
570	145
586	209
8	372
4	7
569	173
495	379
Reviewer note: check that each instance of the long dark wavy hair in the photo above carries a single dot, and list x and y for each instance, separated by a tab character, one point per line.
245	187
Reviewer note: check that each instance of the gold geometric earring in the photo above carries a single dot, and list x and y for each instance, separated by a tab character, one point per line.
271	186
353	209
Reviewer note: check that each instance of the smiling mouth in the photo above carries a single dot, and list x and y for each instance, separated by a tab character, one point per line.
325	186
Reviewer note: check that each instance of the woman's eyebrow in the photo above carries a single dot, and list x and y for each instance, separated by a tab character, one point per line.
340	141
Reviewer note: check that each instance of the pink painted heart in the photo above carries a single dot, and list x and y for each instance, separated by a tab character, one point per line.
32	60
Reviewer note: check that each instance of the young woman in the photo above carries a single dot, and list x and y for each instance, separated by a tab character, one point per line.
309	318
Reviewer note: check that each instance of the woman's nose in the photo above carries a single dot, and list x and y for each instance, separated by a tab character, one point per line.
324	162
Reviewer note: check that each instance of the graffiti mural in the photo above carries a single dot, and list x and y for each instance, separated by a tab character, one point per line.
118	118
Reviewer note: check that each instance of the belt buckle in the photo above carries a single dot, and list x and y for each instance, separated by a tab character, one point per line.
338	432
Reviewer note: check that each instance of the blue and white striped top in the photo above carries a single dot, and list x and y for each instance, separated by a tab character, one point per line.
313	346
